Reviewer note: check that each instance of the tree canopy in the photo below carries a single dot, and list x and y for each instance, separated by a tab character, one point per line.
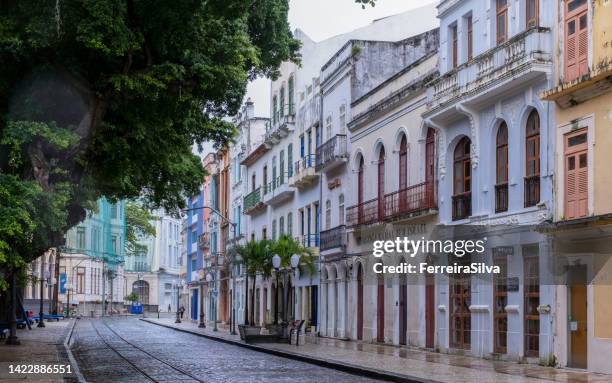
106	98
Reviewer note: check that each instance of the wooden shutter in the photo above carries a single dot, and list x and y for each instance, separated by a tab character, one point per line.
576	39
576	175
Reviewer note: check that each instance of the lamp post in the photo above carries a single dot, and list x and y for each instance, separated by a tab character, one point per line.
179	285
68	287
276	263
202	323
43	275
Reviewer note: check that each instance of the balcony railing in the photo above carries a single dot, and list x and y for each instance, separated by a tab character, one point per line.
532	190
413	199
274	184
285	114
308	161
308	240
331	151
363	213
501	197
462	205
333	238
252	199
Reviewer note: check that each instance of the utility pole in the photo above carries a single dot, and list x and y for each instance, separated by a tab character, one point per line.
41	315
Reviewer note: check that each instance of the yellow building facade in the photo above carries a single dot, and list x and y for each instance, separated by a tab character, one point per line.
582	227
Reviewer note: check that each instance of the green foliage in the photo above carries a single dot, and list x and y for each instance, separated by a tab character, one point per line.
138	225
106	98
132	297
285	247
364	3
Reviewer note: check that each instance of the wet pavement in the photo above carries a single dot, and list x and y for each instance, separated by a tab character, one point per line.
413	363
129	350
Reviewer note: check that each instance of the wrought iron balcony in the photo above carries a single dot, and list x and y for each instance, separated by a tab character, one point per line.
462	206
365	213
304	172
410	201
308	240
277	190
332	153
282	123
532	190
333	238
253	201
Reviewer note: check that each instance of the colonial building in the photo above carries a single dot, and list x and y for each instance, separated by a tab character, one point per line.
495	170
153	273
90	265
582	93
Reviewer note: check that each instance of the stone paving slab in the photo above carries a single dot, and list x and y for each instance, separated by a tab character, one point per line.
39	346
400	363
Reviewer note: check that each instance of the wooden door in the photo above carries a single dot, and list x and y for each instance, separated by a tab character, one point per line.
430	311
380	307
576	174
403	309
578	317
460	315
576	39
359	303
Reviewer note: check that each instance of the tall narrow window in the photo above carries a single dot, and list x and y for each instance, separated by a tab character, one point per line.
454	58
502	21
531	294
290	160
328	214
290	224
360	191
328	127
531	13
341	210
282	167
273	229
576	174
470	38
342	119
281	226
576	39
500	301
282	102
381	183
274	109
532	160
403	164
462	180
430	165
290	90
501	179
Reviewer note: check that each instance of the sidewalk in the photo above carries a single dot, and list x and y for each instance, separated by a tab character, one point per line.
39	346
400	364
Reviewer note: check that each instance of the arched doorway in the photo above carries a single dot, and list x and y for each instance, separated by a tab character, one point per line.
380	307
462	180
141	288
359	302
360	191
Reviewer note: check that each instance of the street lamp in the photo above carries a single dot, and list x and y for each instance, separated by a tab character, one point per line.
44	275
179	285
68	287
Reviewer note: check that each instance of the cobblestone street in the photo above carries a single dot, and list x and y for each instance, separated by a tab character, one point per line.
129	350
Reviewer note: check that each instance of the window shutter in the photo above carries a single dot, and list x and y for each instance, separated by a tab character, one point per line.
576	40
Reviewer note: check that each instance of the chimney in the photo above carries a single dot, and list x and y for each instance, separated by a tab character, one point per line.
250	109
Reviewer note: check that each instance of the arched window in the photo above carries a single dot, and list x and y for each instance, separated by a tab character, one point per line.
141	288
462	180
430	166
532	159
403	164
341	209
328	214
501	175
381	183
281	226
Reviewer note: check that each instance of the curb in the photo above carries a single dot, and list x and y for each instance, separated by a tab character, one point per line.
341	366
67	347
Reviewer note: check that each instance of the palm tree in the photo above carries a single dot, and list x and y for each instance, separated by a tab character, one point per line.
256	258
285	247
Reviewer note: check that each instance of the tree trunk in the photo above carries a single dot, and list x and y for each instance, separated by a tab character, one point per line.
12	339
253	301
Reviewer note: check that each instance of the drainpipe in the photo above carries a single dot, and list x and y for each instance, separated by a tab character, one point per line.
319	308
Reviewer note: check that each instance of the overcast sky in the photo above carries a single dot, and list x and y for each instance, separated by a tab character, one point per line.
321	19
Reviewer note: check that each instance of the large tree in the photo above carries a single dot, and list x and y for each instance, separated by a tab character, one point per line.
101	97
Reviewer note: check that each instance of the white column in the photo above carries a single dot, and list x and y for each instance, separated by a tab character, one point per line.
331	309
342	306
324	309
